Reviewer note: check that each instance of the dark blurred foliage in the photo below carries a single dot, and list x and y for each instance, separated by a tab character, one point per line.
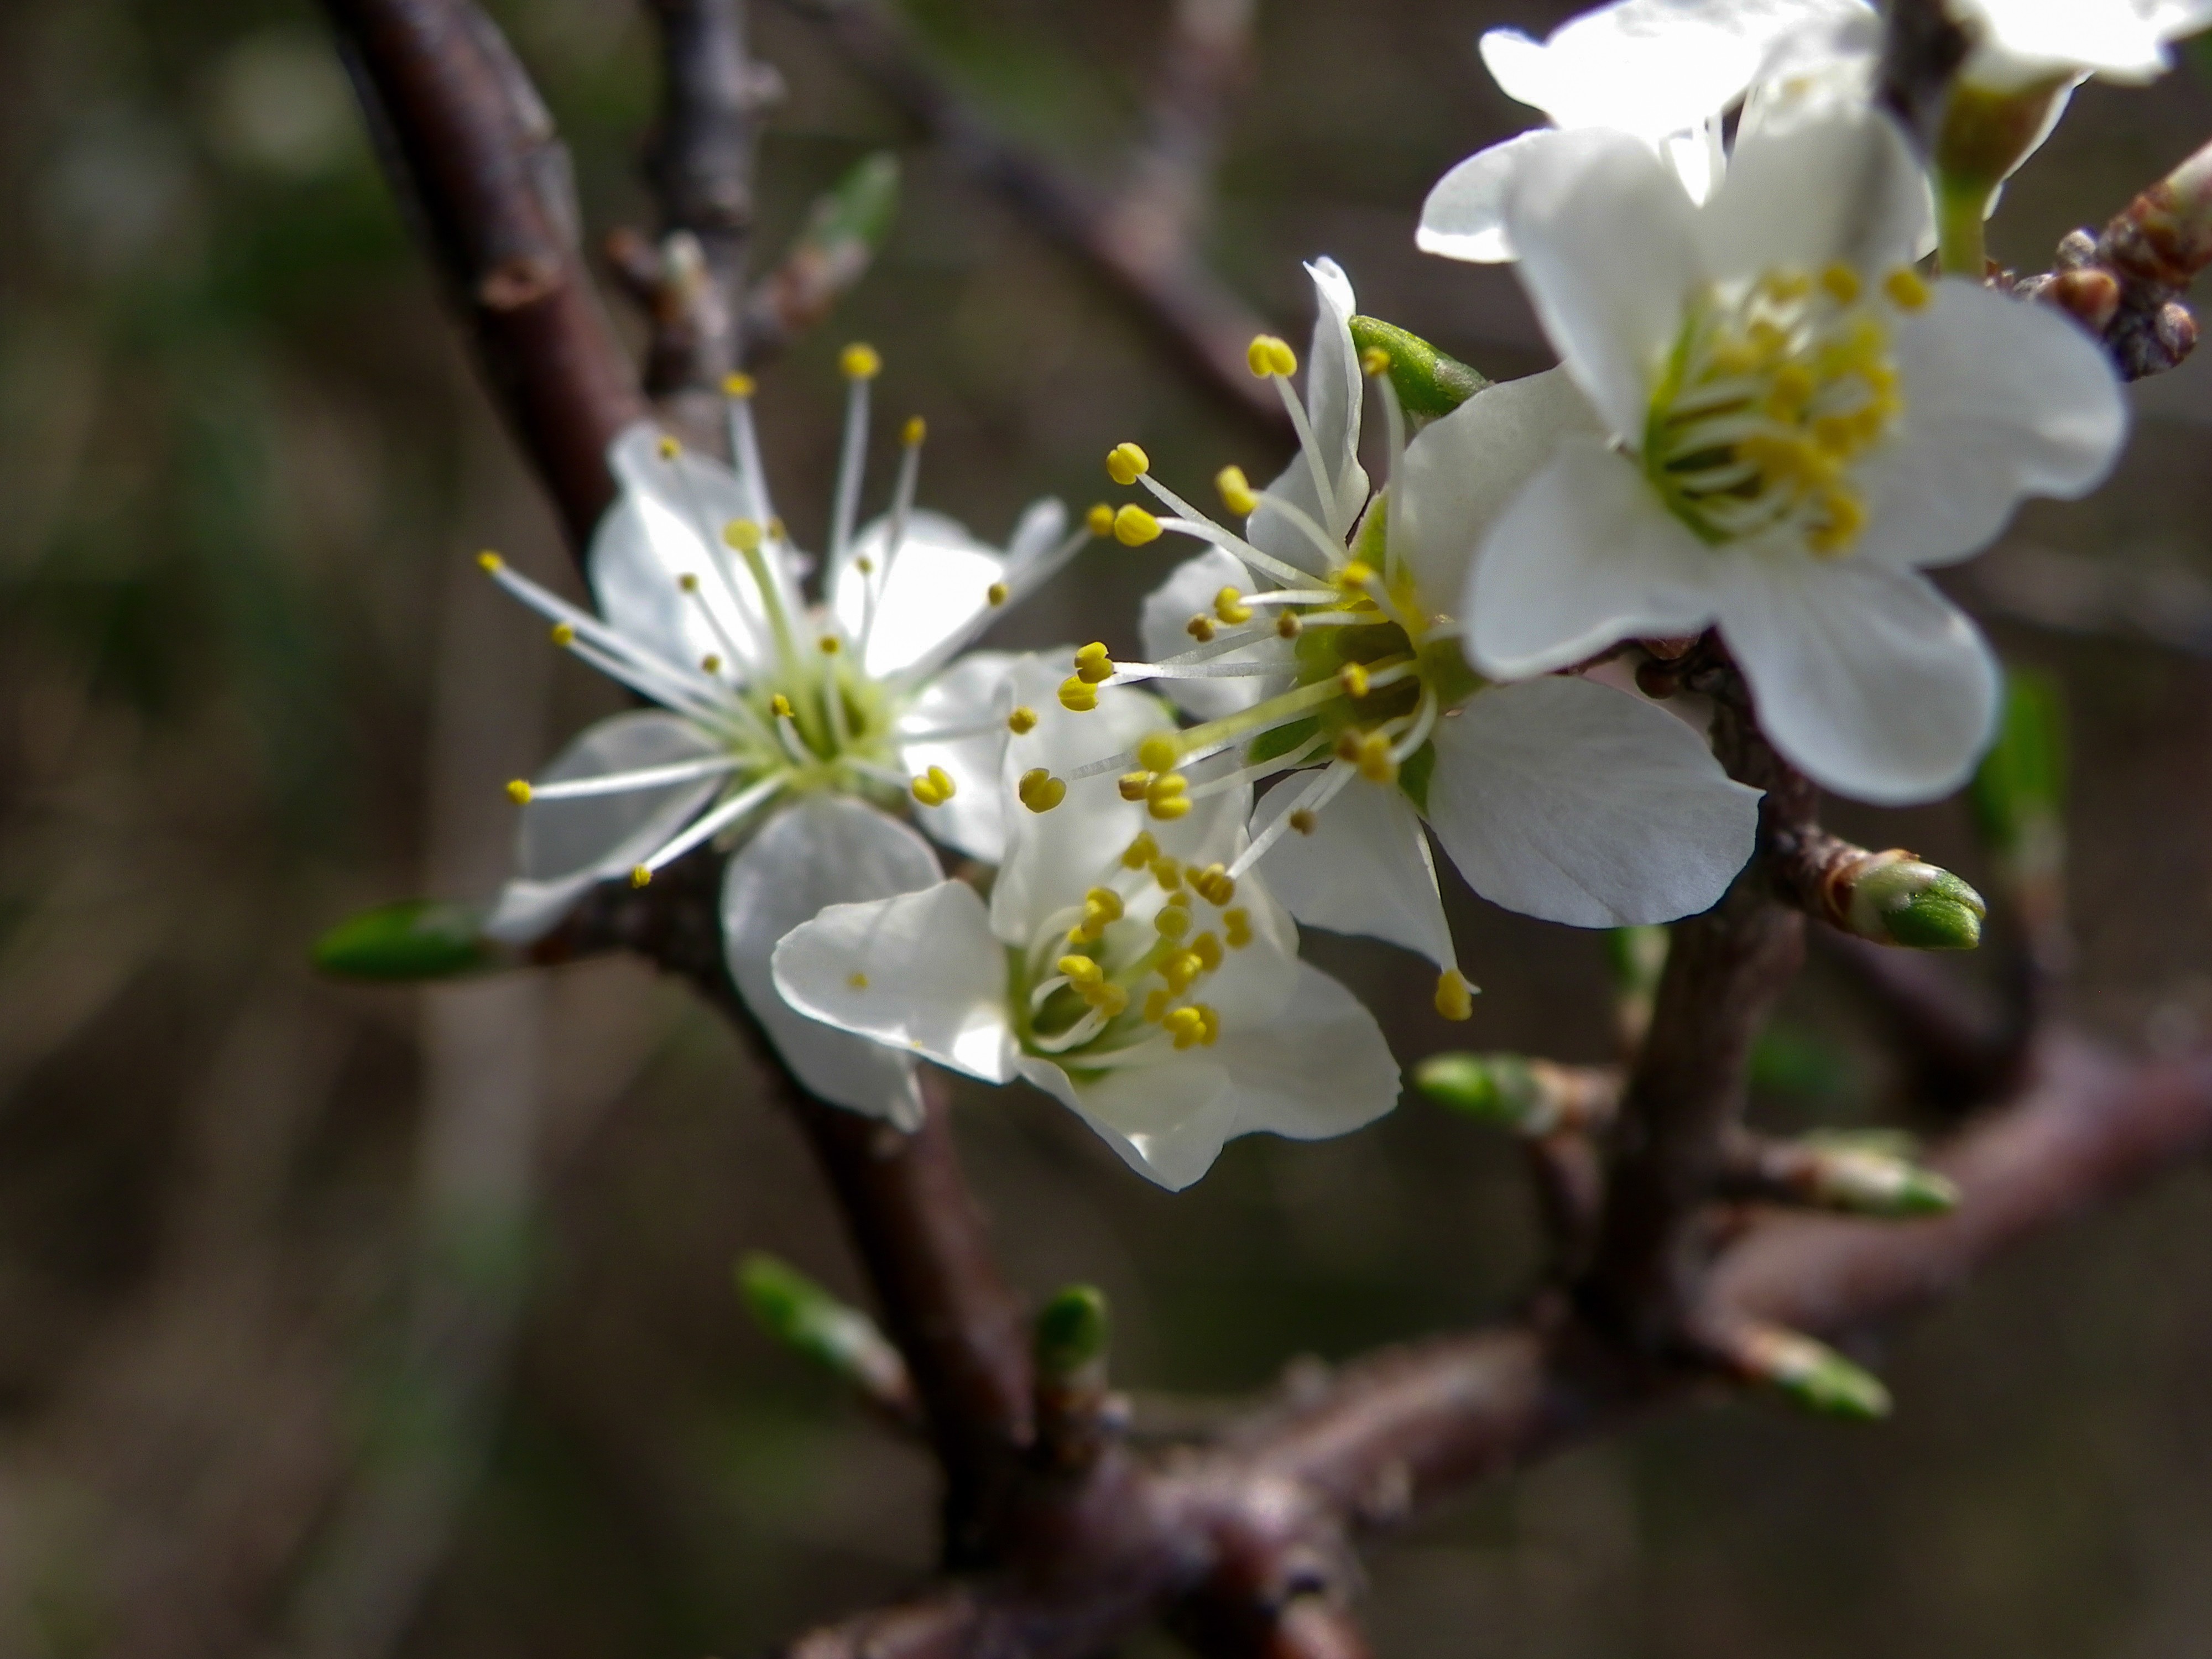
351	1321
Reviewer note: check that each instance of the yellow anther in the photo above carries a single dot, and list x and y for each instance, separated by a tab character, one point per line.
1375	764
1156	1006
710	664
1845	517
1080	970
737	385
859	362
1842	283
1179	897
640	876
742	534
865	565
1237	928
1188	1027
1212	1033
1173	921
1133	785
687	582
1159	752
1133	526
1236	491
563	634
1229	605
1455	996
858	981
518	792
1200	628
775	532
1022	721
1905	288
1786	285
1109	998
1167	870
1099	520
831	645
1353	678
780	706
1355	575
1078	695
1180	970
489	562
1040	791
1214	885
670	449
1167	797
1304	820
934	787
1141	851
1791	392
1093	665
1268	354
1101	906
996	594
1373	362
1207	949
1346	746
1287	625
914	431
1125	464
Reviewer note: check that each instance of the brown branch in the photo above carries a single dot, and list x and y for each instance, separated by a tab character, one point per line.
472	150
1205	64
1205	326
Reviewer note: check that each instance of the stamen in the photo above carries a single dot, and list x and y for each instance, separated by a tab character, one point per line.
860	364
744	448
622	783
1324	486
1040	791
934	787
705	828
1125	464
1455	996
1315	796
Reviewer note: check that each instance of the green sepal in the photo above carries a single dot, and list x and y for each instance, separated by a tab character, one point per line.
1429	382
1072	1330
414	939
806	1318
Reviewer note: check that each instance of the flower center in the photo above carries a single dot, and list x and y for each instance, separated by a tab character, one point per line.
1770	395
1119	977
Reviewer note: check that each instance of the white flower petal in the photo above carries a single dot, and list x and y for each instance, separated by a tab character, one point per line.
2022	41
1188	592
665	525
1168	1122
1803	195
1580	803
972	692
1647	66
1606	239
1365	869
1321	1067
1462	471
919	972
1335	388
931	592
1464	217
1868	679
562	847
1585	556
2002	400
824	850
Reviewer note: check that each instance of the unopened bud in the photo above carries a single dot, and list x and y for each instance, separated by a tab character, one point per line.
1808	1373
1072	1330
1895	899
806	1318
418	939
1428	382
1532	1097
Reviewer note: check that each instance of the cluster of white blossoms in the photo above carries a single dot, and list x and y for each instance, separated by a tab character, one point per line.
1769	418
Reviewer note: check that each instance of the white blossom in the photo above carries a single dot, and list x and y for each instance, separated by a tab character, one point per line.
1116	966
800	733
2016	43
1325	642
1664	72
1784	423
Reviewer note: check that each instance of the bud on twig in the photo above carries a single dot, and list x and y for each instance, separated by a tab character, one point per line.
415	939
1891	897
1076	1416
806	1318
1859	1174
1806	1373
1532	1097
1072	1333
1638	956
1428	382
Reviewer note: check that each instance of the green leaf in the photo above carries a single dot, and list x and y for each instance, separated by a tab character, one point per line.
1429	382
860	207
415	939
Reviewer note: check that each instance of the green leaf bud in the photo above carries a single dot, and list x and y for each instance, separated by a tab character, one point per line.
415	939
1897	900
807	1318
1812	1374
1500	1090
1071	1330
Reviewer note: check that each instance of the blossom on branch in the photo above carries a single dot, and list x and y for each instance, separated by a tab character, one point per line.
1118	966
1325	642
2015	43
1789	423
801	734
1665	72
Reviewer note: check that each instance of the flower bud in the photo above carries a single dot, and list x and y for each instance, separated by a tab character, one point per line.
1895	899
806	1318
1532	1097
1428	382
1072	1331
415	939
1809	1374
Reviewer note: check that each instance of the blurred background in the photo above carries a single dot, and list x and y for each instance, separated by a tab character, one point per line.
346	1321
